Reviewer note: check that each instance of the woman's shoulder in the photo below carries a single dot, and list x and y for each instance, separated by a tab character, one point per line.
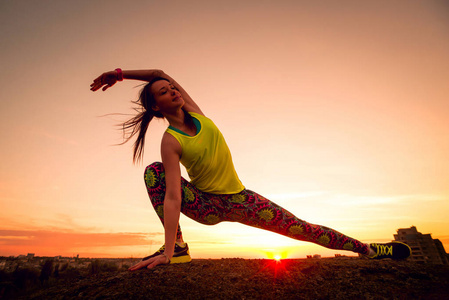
195	114
199	116
170	142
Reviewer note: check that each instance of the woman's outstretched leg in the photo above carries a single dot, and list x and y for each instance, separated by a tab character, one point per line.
255	210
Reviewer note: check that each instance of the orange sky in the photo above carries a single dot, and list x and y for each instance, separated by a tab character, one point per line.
337	111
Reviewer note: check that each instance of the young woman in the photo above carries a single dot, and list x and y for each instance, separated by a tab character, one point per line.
215	192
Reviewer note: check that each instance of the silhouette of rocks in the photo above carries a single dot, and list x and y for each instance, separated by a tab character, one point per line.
332	278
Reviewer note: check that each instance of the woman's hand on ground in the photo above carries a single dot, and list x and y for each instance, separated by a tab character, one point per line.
105	80
150	263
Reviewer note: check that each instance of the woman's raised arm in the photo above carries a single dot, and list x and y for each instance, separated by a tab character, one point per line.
108	79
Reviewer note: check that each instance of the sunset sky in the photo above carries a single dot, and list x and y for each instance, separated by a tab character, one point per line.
336	110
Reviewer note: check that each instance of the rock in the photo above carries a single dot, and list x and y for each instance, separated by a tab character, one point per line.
261	279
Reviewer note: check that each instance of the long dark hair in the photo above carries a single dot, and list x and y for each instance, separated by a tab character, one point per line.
138	124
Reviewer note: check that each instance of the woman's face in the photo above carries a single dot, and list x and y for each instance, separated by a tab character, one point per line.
168	98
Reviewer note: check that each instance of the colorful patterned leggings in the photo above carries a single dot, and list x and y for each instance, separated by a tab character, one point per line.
246	207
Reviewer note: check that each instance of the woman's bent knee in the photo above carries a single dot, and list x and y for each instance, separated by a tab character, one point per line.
156	165
152	174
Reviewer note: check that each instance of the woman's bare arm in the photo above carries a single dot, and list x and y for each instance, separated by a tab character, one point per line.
171	153
108	79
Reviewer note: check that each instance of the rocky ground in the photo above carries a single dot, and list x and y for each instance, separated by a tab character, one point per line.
332	278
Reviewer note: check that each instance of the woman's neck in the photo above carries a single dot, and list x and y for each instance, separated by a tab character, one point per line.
177	119
180	122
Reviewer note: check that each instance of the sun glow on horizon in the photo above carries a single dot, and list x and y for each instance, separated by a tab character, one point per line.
276	254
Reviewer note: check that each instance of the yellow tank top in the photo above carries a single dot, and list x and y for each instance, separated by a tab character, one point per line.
207	158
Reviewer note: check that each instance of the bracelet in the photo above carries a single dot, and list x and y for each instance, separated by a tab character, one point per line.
119	74
163	253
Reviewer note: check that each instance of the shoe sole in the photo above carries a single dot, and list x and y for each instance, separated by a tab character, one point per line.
181	259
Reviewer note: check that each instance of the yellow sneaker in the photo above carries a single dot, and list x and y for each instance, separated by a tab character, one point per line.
393	250
181	255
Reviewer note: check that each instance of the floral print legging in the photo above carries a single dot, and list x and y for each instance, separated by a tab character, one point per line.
246	207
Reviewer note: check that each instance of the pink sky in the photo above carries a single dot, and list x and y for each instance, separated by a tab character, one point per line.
337	111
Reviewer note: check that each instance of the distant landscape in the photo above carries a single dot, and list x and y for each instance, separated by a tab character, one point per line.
234	278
